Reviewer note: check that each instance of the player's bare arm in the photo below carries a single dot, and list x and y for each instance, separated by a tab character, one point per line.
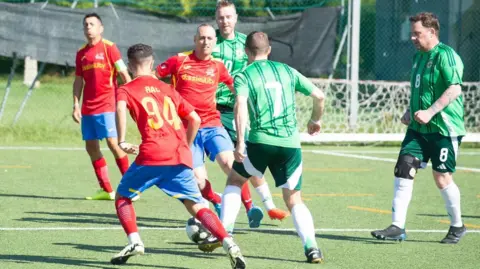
450	94
121	118
77	94
241	117
192	127
125	76
314	124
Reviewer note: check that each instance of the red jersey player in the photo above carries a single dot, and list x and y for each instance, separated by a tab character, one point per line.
164	158
97	64
196	76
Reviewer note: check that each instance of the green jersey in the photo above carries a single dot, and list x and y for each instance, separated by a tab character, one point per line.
433	72
270	88
232	53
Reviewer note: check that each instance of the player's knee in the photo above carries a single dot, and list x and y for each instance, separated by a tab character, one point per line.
291	198
407	166
234	178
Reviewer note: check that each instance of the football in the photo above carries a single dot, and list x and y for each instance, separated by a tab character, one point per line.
195	231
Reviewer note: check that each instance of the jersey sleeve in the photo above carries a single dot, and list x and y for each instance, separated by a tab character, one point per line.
224	76
451	68
184	108
168	67
122	94
303	84
241	85
116	58
78	65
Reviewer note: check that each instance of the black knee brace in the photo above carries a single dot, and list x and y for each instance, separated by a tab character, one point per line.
407	166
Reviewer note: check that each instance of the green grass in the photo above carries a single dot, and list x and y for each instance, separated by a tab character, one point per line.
45	189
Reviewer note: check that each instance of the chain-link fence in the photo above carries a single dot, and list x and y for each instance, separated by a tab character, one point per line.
385	47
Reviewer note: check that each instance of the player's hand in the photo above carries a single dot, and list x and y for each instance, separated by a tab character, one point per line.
423	116
314	127
239	152
406	118
128	148
76	114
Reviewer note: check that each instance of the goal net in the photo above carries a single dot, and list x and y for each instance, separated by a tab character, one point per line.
374	117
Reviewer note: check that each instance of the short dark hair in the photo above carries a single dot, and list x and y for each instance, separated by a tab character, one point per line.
428	19
257	42
139	52
90	15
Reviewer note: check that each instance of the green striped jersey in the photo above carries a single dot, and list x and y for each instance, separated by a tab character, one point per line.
270	88
232	53
432	73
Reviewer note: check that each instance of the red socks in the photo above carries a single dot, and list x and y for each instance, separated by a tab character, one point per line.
212	223
209	195
101	171
246	197
122	164
126	215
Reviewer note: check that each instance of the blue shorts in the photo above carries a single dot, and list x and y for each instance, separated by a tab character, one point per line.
99	126
177	181
210	141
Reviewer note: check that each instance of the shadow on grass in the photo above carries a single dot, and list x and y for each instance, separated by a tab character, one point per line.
194	252
101	219
367	239
31	196
71	262
446	216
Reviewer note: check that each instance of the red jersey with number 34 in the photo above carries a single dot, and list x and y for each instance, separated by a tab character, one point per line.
197	81
156	108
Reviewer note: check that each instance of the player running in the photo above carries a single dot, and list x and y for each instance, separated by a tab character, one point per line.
266	95
97	65
230	49
164	158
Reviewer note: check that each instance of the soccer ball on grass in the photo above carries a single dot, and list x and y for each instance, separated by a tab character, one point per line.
195	231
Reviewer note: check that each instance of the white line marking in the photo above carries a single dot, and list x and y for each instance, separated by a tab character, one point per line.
470	153
477	170
182	229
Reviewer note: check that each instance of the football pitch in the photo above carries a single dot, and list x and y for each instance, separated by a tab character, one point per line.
46	223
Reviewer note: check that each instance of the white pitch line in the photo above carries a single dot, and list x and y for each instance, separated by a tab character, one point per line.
354	230
332	153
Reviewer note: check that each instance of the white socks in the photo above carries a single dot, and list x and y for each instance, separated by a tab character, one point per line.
451	196
134	238
304	225
401	199
231	203
266	196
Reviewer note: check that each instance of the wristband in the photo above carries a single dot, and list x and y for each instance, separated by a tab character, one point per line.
119	143
315	122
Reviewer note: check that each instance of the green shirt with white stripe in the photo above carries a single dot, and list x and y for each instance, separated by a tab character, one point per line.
432	73
232	53
270	88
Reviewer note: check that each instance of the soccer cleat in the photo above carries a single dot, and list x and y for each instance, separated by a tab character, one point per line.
278	214
129	251
218	209
454	234
233	252
102	195
314	255
209	244
392	232
255	216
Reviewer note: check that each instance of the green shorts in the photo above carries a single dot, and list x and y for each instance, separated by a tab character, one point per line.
228	122
285	164
441	150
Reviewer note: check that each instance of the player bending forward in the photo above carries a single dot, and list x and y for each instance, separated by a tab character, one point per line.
164	158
